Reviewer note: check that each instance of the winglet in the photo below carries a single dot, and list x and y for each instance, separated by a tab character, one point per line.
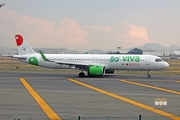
43	56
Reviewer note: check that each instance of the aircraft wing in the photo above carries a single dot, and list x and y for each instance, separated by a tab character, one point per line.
79	65
75	64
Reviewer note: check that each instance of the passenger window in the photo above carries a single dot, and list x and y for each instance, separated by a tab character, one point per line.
158	60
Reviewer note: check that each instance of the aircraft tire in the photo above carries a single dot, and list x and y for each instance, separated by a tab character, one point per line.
81	74
148	76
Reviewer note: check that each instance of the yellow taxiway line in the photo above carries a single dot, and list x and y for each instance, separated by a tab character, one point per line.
49	112
178	81
149	86
155	81
160	112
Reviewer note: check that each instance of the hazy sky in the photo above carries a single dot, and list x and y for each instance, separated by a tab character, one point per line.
88	24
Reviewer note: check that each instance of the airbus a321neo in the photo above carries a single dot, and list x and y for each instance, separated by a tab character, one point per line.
93	64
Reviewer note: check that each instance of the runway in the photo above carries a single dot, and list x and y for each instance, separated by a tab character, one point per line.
111	97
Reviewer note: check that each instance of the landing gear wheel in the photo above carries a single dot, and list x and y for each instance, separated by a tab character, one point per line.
148	76
81	74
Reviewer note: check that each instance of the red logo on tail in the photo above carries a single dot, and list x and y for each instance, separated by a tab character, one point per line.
19	40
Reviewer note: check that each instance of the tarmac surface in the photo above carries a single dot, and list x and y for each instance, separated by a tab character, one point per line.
112	97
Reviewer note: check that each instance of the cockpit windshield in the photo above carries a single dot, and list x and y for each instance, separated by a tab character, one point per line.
158	60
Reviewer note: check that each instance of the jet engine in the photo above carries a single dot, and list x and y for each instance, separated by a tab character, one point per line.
96	70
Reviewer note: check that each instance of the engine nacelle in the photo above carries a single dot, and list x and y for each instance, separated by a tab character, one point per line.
96	70
110	71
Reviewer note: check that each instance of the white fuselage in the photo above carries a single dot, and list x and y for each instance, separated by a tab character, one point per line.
110	61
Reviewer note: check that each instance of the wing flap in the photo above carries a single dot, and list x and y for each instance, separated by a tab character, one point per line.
72	63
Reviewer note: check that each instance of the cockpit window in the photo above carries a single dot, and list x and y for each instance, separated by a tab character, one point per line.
158	60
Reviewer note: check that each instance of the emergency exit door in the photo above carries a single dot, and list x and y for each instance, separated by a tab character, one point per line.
148	60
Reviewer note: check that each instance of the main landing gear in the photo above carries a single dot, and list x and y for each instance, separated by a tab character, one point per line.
81	74
148	74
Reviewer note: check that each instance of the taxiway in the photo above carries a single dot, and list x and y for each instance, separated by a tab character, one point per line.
111	97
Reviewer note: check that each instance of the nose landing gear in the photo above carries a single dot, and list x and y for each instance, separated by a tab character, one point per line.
148	74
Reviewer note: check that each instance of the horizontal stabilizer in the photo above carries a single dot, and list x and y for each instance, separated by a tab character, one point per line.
19	57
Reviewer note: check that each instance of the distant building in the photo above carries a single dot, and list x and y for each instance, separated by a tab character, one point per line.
141	50
175	53
135	51
56	51
11	52
147	51
118	51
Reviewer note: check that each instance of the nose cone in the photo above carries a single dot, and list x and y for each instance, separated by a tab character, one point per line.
166	65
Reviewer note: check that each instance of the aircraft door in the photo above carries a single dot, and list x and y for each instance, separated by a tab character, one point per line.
148	60
66	59
94	59
41	59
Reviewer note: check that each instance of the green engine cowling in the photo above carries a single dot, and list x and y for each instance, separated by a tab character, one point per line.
109	71
96	70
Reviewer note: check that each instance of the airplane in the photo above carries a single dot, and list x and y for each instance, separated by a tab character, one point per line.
93	64
1	4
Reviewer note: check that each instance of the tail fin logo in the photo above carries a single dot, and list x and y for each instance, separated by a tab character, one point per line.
23	47
19	39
